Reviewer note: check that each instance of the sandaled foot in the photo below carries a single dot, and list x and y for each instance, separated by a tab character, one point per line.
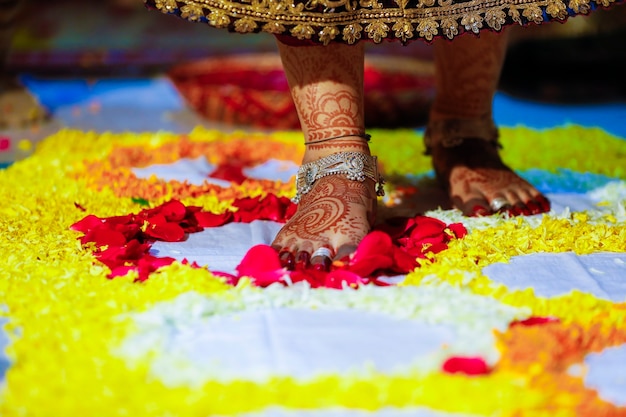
480	184
336	209
18	108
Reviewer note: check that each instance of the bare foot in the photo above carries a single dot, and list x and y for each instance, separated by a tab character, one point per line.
479	183
336	214
18	108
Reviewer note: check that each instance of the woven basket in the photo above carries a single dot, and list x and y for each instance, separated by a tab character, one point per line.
252	90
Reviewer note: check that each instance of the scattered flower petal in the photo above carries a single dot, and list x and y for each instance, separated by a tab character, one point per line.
467	366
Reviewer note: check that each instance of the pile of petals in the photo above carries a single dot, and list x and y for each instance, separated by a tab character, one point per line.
123	243
392	249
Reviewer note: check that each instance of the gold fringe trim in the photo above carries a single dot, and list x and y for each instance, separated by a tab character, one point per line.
347	21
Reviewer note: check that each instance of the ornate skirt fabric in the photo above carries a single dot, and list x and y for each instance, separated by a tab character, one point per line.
350	21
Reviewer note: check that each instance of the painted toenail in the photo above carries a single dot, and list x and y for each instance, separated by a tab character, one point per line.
303	259
533	207
480	211
544	203
287	259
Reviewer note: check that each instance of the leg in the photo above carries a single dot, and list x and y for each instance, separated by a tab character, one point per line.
461	135
326	84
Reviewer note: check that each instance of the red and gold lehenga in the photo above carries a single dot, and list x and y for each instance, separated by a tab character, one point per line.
349	21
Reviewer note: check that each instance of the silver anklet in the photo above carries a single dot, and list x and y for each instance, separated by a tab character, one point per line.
355	166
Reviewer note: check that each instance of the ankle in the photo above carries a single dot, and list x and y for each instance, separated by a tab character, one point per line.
354	165
451	133
316	149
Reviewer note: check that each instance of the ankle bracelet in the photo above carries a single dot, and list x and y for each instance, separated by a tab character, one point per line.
450	133
355	166
365	136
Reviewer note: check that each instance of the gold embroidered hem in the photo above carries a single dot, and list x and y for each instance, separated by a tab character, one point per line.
349	21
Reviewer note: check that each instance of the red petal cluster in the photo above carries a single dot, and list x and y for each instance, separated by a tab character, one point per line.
396	245
262	265
229	172
379	253
270	207
123	242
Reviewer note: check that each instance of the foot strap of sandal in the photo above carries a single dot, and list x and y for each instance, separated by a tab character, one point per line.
356	166
451	133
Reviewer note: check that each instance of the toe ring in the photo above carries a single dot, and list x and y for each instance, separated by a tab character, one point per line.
324	252
498	203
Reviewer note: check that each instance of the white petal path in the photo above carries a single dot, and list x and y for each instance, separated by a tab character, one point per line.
554	274
254	334
606	372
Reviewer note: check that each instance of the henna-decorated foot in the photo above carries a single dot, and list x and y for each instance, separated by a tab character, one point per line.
334	215
479	183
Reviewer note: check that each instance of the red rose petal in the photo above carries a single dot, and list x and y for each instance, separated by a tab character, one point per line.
229	172
122	254
339	279
311	276
261	261
130	231
104	237
230	279
436	248
428	228
458	230
193	264
156	218
290	209
403	262
121	271
206	219
468	366
174	211
88	223
168	232
246	204
149	264
397	227
534	321
375	252
264	279
118	256
5	143
135	250
117	220
271	208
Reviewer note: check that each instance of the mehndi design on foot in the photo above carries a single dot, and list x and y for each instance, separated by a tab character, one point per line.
467	162
335	214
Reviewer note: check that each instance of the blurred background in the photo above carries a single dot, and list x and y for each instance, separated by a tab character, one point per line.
114	65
